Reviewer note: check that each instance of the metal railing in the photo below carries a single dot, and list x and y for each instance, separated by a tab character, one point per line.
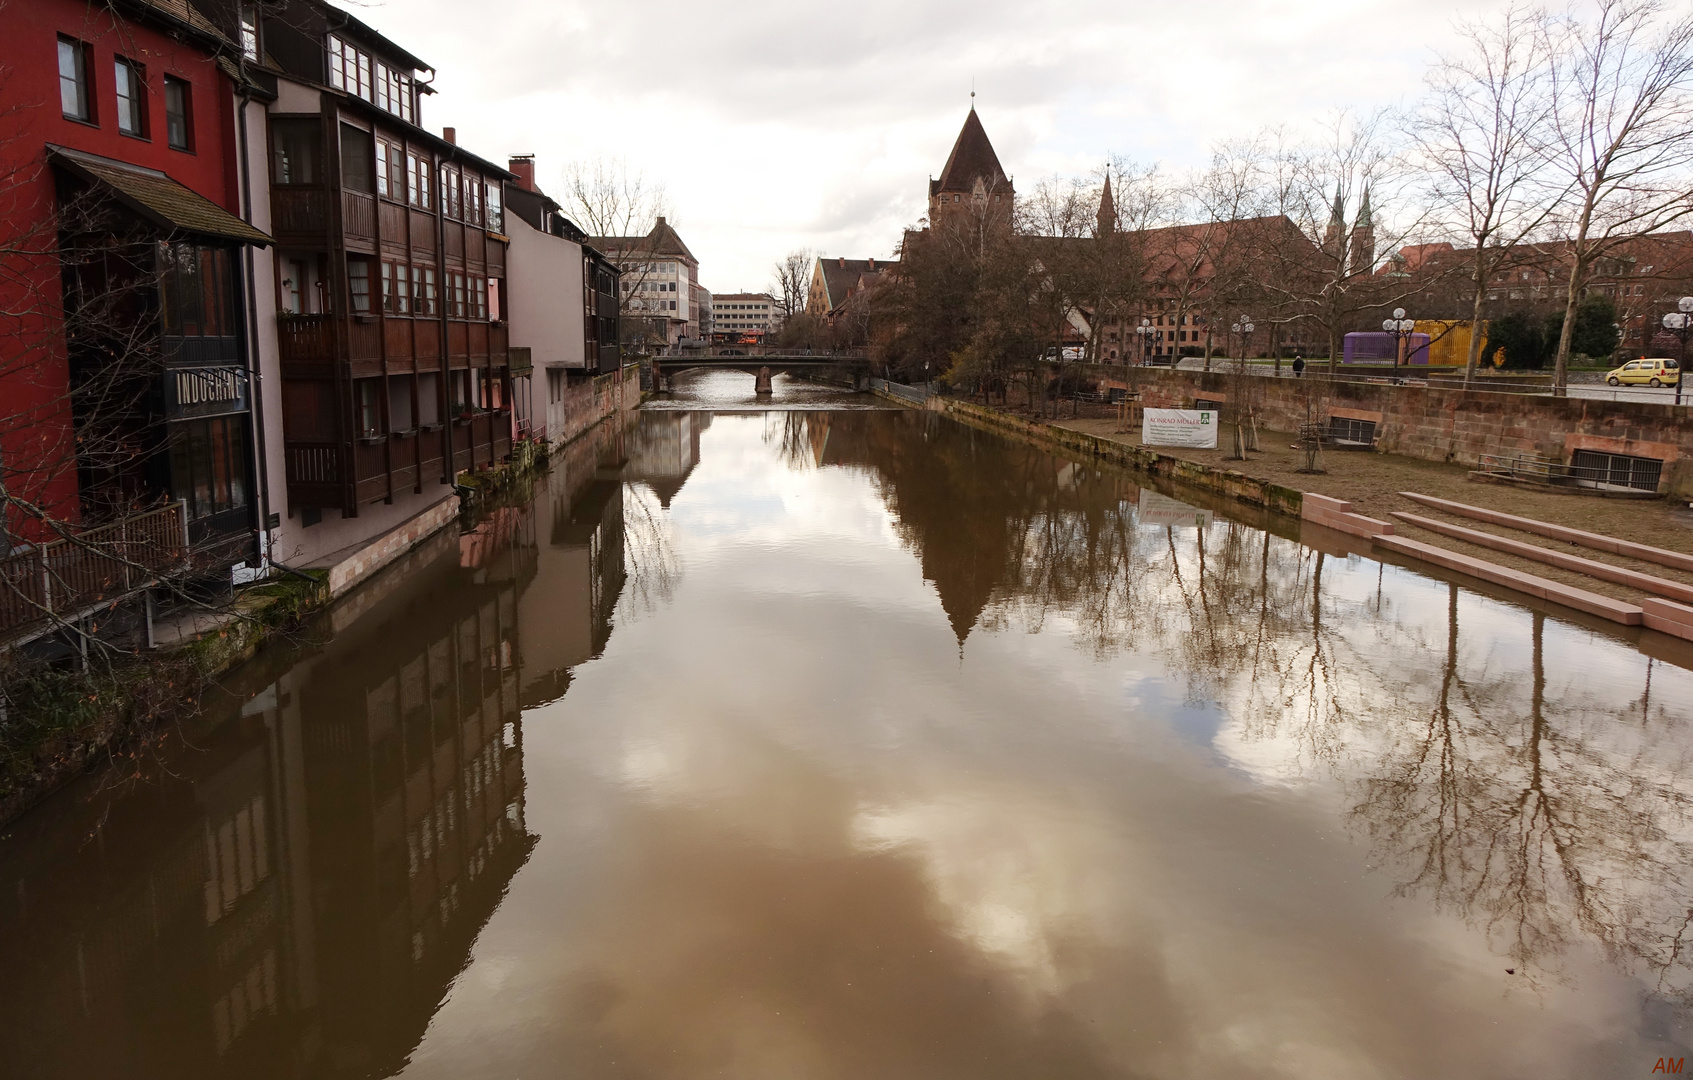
63	580
1615	473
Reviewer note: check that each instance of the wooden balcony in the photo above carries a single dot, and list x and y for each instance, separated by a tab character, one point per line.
66	579
297	211
358	215
306	338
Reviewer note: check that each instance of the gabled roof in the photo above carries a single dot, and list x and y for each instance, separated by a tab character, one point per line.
663	240
972	158
841	275
156	197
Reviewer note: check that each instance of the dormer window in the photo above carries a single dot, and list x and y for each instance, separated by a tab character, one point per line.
354	70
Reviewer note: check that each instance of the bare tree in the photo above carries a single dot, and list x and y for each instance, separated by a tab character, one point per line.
1324	270
1480	136
1621	138
611	202
791	282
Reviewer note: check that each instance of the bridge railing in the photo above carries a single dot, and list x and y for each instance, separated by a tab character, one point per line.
740	352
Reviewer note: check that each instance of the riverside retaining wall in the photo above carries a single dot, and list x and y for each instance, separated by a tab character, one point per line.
1439	424
1235	485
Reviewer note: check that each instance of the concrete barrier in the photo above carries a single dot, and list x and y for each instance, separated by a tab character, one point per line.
1562	560
1337	514
1668	617
1580	599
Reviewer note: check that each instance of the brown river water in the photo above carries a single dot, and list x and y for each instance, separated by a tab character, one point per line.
809	739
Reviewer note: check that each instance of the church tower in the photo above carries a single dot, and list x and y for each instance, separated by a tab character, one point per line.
972	185
1363	253
1107	221
1336	231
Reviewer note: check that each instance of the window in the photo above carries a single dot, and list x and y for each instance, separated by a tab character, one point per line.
355	159
473	200
390	170
294	151
555	385
496	310
396	288
349	68
132	98
358	283
179	115
75	101
423	281
208	464
365	395
496	215
196	290
458	296
452	200
418	173
249	32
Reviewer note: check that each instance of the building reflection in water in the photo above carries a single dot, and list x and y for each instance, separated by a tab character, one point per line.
293	895
1530	776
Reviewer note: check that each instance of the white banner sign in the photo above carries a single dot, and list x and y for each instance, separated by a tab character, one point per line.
1158	510
1196	428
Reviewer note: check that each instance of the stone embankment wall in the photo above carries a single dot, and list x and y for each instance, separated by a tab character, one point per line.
1235	485
587	403
1438	424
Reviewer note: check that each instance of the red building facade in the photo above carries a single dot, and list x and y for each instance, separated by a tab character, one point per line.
123	347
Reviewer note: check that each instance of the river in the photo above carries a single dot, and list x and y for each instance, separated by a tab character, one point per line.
807	738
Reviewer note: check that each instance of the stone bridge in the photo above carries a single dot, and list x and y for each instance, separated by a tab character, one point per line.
762	363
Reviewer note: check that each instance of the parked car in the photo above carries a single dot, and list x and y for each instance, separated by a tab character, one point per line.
1651	372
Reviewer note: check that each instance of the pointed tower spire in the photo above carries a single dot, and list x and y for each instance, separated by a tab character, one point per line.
1337	220
1107	209
1364	221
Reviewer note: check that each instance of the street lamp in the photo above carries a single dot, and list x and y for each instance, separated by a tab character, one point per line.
1145	330
1401	328
1243	327
1680	323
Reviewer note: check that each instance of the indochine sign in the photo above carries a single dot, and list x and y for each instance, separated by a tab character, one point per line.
205	391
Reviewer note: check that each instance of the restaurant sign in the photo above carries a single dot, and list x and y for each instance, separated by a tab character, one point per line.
205	391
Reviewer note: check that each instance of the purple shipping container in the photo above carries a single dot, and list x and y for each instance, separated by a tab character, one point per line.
1376	347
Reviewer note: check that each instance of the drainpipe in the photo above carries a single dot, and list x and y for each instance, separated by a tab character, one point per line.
255	373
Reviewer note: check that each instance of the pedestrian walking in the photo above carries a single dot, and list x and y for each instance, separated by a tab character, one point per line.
1299	367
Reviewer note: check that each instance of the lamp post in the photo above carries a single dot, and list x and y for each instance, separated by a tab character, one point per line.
1145	330
1242	328
1401	328
1680	323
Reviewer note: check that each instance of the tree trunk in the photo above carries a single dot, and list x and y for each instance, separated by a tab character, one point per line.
1475	322
1572	300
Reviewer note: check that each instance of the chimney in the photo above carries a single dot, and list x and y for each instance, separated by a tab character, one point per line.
660	224
843	262
524	166
871	263
451	135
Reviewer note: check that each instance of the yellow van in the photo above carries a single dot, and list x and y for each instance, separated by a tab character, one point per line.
1649	372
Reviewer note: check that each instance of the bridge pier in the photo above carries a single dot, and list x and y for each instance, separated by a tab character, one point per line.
763	385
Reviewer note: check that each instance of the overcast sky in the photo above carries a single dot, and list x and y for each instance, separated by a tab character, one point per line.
779	125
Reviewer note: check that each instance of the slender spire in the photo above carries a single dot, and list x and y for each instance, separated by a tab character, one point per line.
1337	220
1364	221
1107	208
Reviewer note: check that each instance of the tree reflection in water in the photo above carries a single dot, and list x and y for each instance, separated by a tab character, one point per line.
1546	815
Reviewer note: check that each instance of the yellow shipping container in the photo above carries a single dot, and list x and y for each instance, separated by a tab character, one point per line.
1449	340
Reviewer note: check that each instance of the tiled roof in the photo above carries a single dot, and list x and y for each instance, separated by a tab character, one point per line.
183	12
663	240
972	157
158	198
839	275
